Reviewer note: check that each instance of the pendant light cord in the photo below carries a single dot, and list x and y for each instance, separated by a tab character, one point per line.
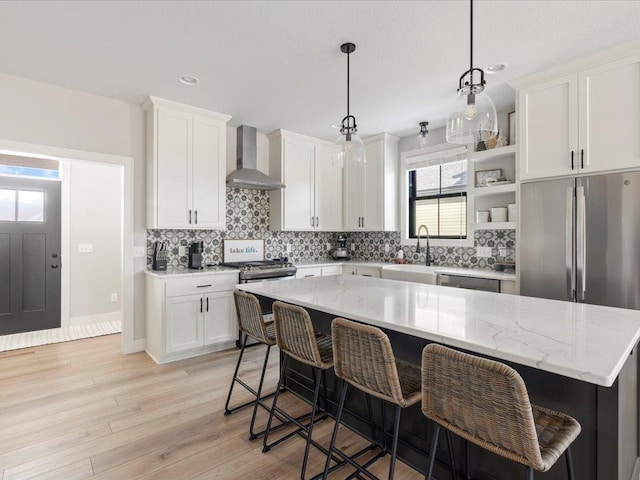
471	37
348	88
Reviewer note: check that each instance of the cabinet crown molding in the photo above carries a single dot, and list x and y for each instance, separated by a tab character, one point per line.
610	55
153	101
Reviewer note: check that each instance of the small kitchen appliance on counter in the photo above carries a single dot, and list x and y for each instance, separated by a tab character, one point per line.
195	255
341	253
159	258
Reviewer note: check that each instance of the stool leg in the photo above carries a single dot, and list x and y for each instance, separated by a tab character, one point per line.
569	458
432	452
452	460
235	376
314	406
384	427
265	446
252	435
334	435
467	460
371	424
529	473
394	444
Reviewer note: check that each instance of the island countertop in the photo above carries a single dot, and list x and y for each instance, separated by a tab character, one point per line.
586	342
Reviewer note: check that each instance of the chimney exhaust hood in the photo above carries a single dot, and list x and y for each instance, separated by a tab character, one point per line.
247	174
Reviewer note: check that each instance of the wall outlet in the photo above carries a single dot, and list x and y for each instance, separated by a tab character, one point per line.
85	247
114	297
353	247
483	252
182	251
328	246
386	248
139	252
288	248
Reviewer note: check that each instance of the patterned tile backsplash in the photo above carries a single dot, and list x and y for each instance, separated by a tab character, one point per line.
248	218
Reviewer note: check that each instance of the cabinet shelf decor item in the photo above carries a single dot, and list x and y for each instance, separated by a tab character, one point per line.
312	199
186	166
583	120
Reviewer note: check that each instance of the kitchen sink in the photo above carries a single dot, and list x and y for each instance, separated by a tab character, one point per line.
411	273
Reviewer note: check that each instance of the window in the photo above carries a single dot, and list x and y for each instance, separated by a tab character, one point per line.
438	199
21	205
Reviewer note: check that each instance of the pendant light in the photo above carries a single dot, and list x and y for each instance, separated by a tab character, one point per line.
423	135
351	146
474	117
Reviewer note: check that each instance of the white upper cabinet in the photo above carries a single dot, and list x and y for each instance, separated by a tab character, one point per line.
186	159
586	121
312	198
610	116
371	190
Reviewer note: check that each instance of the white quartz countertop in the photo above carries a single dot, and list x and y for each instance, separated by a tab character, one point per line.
187	272
441	269
586	342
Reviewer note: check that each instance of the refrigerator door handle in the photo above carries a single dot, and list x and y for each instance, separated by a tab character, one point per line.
581	245
571	281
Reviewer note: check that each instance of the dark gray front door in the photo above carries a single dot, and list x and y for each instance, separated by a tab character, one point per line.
29	254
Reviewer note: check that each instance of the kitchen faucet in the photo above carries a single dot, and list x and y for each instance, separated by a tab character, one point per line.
428	261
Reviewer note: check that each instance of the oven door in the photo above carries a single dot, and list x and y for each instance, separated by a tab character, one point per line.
266	305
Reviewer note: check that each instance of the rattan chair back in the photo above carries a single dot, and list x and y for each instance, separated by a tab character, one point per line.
362	356
295	335
249	315
483	401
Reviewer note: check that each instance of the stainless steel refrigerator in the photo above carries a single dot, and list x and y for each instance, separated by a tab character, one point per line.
580	239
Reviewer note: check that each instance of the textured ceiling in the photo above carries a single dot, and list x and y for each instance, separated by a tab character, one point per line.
277	64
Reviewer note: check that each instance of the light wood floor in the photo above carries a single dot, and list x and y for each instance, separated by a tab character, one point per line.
83	410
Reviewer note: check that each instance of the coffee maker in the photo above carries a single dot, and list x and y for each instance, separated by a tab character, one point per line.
195	254
341	253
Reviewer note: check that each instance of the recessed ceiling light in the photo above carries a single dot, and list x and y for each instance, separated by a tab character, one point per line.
189	80
495	68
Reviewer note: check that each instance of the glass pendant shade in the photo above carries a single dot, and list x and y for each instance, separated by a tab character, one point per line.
351	150
473	119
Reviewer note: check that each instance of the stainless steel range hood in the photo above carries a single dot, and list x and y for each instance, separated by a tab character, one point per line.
247	174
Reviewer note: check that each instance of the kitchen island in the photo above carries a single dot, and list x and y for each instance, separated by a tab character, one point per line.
576	358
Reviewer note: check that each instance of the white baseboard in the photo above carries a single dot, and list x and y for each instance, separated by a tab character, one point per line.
99	318
139	345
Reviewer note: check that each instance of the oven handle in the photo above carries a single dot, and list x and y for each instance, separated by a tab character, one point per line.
272	279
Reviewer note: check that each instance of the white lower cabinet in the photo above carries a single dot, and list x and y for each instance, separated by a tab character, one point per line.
189	316
304	272
375	272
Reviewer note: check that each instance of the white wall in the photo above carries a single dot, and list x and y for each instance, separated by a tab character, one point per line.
39	113
95	218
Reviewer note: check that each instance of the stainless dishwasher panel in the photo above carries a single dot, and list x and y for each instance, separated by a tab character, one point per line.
471	283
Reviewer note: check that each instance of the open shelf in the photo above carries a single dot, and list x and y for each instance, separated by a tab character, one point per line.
480	191
495	226
492	154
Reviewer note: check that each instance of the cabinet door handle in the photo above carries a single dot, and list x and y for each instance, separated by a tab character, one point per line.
362	222
207	304
571	159
312	221
200	304
359	221
189	217
582	158
317	221
203	286
196	217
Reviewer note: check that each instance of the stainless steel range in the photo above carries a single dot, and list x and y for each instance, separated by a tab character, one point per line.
252	271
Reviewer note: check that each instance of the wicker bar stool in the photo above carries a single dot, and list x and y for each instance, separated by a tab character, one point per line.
252	324
486	403
297	340
363	358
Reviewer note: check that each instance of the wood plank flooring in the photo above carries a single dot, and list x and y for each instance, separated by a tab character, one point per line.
82	409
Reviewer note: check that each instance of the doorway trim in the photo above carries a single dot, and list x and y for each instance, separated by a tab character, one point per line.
129	344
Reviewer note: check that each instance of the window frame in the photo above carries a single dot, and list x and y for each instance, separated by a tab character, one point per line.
408	161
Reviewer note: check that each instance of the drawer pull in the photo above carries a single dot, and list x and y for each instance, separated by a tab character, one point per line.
204	286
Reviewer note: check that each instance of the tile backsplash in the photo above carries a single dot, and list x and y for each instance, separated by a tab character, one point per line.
248	218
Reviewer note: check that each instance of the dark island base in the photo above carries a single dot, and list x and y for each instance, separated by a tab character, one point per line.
607	448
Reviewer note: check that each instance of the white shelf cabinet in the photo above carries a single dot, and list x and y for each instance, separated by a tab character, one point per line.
189	316
586	121
371	190
484	198
312	199
186	161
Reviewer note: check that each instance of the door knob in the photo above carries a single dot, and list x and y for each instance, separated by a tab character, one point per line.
54	266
